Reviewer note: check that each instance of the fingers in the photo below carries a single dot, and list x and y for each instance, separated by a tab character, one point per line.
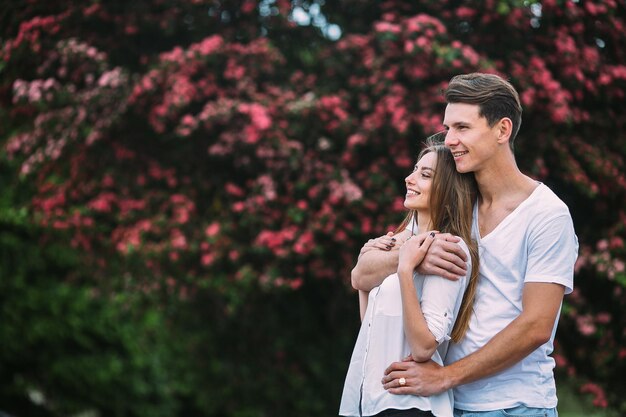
451	249
448	237
405	390
391	380
444	255
422	378
397	366
412	253
428	241
395	383
386	242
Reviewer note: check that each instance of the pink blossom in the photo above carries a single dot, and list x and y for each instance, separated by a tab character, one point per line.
387	27
212	230
269	188
598	393
617	242
258	115
603	318
304	244
178	239
234	190
296	283
585	325
102	202
560	360
356	139
207	259
465	13
208	45
113	78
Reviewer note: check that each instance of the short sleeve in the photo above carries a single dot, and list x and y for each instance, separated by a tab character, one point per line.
552	253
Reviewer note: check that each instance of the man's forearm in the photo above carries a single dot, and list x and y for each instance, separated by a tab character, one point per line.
531	329
375	265
372	269
428	378
504	350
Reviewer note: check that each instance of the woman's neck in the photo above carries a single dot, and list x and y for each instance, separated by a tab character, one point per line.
424	222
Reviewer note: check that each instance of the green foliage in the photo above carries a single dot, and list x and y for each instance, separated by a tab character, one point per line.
68	347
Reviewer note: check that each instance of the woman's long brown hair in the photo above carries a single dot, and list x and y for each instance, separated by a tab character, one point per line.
452	198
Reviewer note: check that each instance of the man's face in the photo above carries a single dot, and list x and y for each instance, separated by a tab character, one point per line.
470	138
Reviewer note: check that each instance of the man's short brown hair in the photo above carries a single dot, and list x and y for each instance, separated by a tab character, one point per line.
495	97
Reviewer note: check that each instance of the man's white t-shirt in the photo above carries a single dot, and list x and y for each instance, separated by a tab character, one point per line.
535	243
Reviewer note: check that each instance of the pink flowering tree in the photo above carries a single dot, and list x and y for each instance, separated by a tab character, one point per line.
230	158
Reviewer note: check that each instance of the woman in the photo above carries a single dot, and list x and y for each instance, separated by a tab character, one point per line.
408	314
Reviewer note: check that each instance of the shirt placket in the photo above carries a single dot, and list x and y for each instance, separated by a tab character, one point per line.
367	347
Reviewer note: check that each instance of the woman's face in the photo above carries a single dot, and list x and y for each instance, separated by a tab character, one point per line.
418	183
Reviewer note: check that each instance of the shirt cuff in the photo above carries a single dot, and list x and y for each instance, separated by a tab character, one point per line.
439	325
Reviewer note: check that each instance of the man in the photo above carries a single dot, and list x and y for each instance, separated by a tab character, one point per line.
527	251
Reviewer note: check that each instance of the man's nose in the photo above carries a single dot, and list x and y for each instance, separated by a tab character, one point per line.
450	140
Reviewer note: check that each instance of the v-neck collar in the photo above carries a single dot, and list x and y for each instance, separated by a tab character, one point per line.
509	217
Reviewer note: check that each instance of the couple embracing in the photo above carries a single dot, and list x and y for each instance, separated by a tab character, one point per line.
459	305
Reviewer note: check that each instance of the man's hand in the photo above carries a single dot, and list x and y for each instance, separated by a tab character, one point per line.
386	242
422	378
445	258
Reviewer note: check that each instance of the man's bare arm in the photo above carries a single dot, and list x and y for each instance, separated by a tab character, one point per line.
375	265
532	328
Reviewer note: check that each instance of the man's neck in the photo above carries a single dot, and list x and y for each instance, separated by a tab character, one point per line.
501	192
503	182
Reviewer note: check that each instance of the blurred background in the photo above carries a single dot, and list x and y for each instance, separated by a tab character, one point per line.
185	185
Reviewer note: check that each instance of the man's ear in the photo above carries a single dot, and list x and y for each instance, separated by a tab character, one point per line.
504	129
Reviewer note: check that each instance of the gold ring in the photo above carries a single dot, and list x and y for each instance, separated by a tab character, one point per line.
402	382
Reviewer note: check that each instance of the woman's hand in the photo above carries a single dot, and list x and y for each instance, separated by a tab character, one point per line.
386	242
445	258
414	250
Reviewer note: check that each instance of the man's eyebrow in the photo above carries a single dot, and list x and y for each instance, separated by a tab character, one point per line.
457	123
